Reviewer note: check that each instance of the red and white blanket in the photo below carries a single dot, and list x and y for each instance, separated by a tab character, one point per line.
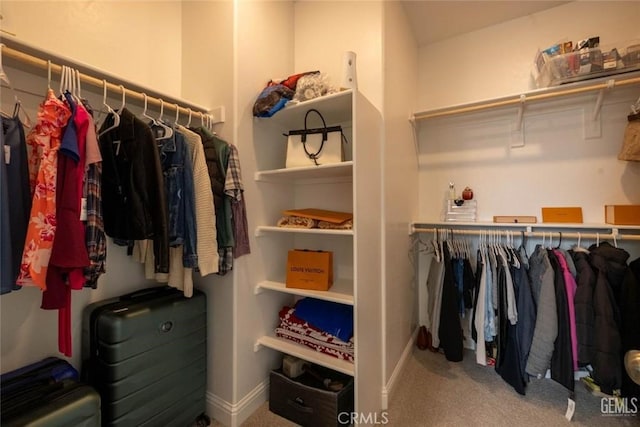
295	329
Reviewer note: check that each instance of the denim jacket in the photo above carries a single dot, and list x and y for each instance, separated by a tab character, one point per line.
178	181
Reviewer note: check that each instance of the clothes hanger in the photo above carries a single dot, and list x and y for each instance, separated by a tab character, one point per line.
168	130
116	119
189	121
560	240
17	103
106	110
177	115
578	247
144	111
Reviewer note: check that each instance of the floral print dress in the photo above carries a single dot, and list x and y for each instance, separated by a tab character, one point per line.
43	143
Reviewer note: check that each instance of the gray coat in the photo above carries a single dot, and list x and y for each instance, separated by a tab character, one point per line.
546	329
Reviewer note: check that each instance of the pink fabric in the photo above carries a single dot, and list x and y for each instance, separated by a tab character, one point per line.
571	286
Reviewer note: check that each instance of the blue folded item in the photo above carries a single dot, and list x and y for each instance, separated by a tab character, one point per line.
331	317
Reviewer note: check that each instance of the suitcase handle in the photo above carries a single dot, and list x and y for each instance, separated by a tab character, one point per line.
145	292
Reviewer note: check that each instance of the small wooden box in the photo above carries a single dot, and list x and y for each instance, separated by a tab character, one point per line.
622	214
562	214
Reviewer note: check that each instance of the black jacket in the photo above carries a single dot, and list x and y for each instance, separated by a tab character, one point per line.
133	192
583	301
609	263
630	319
562	359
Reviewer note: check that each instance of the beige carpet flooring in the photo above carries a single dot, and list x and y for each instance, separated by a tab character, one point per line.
434	392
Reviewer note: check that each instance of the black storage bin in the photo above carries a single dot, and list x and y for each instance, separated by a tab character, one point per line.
305	400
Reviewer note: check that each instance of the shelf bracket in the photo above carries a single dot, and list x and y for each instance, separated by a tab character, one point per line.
414	131
517	134
593	120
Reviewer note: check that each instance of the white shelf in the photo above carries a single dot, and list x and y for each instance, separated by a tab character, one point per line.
543	94
532	226
341	291
334	109
306	353
330	171
263	229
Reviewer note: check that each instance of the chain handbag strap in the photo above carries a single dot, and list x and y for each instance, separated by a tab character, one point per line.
314	156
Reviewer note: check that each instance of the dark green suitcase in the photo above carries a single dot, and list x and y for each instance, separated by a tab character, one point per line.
146	354
61	404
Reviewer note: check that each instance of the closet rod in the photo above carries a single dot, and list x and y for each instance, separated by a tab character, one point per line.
554	234
519	99
168	103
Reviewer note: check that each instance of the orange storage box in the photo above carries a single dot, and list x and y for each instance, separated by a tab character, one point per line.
622	214
308	269
562	214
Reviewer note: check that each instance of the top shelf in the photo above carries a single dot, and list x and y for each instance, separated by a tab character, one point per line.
577	88
335	108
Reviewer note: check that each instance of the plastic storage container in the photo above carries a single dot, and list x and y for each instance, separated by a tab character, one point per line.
587	63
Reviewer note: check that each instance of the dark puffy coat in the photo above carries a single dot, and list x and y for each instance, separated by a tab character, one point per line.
609	263
583	301
630	318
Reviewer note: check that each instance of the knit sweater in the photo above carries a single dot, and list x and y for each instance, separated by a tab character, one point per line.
207	246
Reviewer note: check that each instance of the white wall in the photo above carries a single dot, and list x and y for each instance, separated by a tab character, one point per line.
263	45
400	199
207	70
324	30
139	41
496	61
29	333
559	164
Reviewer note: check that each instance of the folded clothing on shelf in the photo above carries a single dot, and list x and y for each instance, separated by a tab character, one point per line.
331	317
297	330
292	221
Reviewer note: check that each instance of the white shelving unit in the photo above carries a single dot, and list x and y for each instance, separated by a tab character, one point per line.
350	186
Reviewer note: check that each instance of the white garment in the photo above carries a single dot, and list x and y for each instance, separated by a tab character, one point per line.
481	352
436	282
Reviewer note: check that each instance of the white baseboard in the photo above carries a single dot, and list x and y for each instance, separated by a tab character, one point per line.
397	371
234	415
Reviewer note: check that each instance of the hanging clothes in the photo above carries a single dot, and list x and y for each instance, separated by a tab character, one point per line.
179	187
133	192
606	363
206	239
526	310
234	190
449	329
508	360
216	153
479	311
630	319
14	168
95	238
584	309
570	288
561	360
44	142
541	275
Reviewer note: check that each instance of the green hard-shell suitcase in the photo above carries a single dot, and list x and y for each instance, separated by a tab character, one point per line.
62	404
146	354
